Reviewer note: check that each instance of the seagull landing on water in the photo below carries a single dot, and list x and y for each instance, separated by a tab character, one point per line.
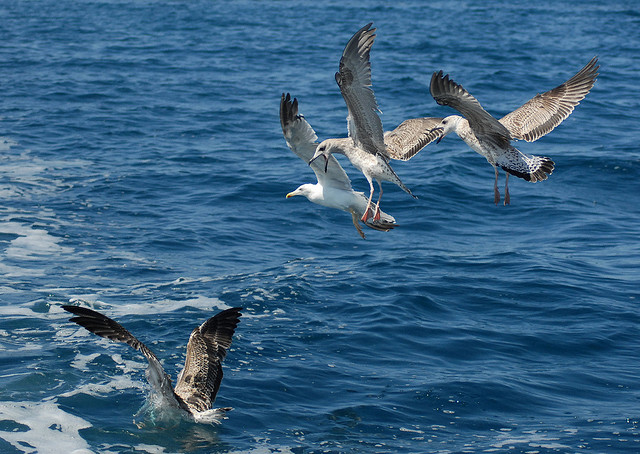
333	188
492	138
368	148
199	381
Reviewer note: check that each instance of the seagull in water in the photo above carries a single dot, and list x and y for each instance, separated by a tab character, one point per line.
367	147
333	188
492	138
199	381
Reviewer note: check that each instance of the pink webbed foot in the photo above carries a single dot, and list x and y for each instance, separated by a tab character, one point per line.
376	216
366	215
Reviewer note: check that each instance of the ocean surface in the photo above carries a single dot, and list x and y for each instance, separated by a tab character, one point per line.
143	173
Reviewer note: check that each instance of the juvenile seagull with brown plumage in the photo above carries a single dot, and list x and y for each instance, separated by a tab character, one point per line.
199	381
492	138
368	147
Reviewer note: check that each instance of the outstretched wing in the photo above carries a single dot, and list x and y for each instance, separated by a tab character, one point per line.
541	114
302	140
354	79
199	381
448	93
105	327
404	142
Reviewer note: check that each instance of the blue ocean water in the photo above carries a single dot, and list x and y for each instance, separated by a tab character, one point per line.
143	173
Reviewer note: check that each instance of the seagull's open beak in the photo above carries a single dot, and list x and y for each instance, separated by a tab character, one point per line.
436	129
326	161
314	158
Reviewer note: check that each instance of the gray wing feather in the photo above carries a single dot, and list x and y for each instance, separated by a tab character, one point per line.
302	140
446	92
103	326
354	80
199	381
404	142
541	114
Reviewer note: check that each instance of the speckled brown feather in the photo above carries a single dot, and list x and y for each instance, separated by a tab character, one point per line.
199	381
541	114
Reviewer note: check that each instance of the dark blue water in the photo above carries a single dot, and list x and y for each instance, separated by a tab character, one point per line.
143	173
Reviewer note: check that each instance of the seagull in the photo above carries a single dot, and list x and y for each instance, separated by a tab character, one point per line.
199	381
492	138
367	147
333	188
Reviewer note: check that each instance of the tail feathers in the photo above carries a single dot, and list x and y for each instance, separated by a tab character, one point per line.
527	167
380	225
406	189
384	224
396	179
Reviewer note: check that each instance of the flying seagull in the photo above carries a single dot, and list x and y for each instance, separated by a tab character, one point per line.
368	148
199	381
333	188
492	138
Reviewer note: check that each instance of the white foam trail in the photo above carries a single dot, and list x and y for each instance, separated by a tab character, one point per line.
205	303
117	383
49	429
150	449
31	243
6	143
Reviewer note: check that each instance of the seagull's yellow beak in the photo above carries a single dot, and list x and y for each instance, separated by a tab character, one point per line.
291	194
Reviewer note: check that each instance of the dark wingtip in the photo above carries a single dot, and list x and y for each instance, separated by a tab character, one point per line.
367	28
436	78
233	313
82	311
237	310
288	109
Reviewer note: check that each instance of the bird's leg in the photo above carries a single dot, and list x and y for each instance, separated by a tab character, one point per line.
507	199
366	214
354	217
376	215
496	193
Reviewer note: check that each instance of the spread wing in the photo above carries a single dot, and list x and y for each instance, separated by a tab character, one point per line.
302	140
354	80
404	142
105	327
448	93
541	114
199	381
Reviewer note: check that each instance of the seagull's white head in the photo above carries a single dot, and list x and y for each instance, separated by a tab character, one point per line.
313	192
299	191
448	124
305	190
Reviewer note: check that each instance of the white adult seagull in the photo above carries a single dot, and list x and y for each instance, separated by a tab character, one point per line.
368	148
492	138
199	381
333	188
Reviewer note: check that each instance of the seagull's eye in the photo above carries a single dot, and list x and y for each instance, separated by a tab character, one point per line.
322	148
